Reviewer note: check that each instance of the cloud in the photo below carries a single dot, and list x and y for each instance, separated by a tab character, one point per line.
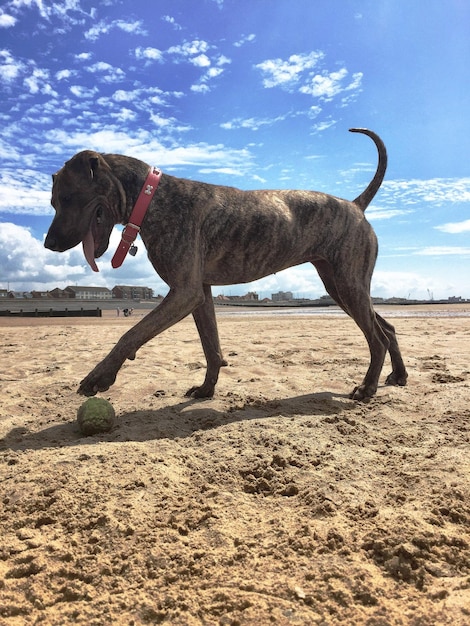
10	68
145	145
327	85
27	265
7	21
438	191
443	251
189	49
376	213
104	27
245	39
455	227
25	261
202	85
109	73
171	20
37	82
84	56
83	92
25	191
202	60
251	123
195	52
401	284
64	74
150	54
286	74
299	73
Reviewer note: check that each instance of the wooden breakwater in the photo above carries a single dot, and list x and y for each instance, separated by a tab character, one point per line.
51	312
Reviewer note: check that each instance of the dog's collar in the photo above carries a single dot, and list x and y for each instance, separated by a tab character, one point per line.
132	228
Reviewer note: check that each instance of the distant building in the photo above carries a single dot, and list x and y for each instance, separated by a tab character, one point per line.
282	296
3	294
125	292
38	295
60	293
89	293
19	295
250	296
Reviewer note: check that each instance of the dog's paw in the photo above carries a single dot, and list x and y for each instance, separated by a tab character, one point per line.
204	391
362	392
96	381
397	379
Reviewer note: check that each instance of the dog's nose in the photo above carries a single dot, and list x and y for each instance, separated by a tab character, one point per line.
50	242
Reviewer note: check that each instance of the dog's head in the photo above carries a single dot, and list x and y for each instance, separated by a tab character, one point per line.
87	199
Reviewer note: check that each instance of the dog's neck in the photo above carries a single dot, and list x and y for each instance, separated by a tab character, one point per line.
130	174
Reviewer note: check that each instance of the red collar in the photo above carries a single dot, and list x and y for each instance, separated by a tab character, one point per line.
132	228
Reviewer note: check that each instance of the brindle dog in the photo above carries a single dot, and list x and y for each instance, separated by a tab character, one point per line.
198	235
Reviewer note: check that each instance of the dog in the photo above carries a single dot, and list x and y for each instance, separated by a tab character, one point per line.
198	235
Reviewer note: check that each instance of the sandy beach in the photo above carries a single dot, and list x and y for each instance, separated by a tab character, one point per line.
279	501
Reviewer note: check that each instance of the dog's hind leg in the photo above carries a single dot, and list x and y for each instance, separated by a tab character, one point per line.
399	375
354	298
206	323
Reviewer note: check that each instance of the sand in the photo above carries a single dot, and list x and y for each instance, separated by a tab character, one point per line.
279	501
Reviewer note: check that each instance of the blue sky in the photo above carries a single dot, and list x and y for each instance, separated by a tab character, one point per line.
249	93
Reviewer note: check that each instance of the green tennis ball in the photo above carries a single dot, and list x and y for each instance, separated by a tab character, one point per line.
95	415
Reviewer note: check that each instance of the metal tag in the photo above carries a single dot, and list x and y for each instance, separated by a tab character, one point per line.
133	250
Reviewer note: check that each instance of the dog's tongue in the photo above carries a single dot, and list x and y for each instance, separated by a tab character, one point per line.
89	250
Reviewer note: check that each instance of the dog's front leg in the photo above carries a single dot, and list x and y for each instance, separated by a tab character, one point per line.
176	305
206	323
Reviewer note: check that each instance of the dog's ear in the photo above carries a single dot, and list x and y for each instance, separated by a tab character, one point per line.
94	160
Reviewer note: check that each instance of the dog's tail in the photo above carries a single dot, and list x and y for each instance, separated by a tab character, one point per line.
366	196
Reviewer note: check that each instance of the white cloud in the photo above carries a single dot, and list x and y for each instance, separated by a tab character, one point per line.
7	21
444	251
245	39
84	56
202	60
327	85
390	284
150	54
124	115
455	227
376	213
190	48
200	88
145	145
170	124
104	27
83	92
171	20
109	73
322	126
64	74
438	191
280	73
25	261
37	82
251	123
25	191
10	68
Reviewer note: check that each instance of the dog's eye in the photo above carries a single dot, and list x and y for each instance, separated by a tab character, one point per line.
99	216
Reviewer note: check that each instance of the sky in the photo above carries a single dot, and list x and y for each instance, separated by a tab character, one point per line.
255	94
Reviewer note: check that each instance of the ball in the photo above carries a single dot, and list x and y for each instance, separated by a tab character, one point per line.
95	415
